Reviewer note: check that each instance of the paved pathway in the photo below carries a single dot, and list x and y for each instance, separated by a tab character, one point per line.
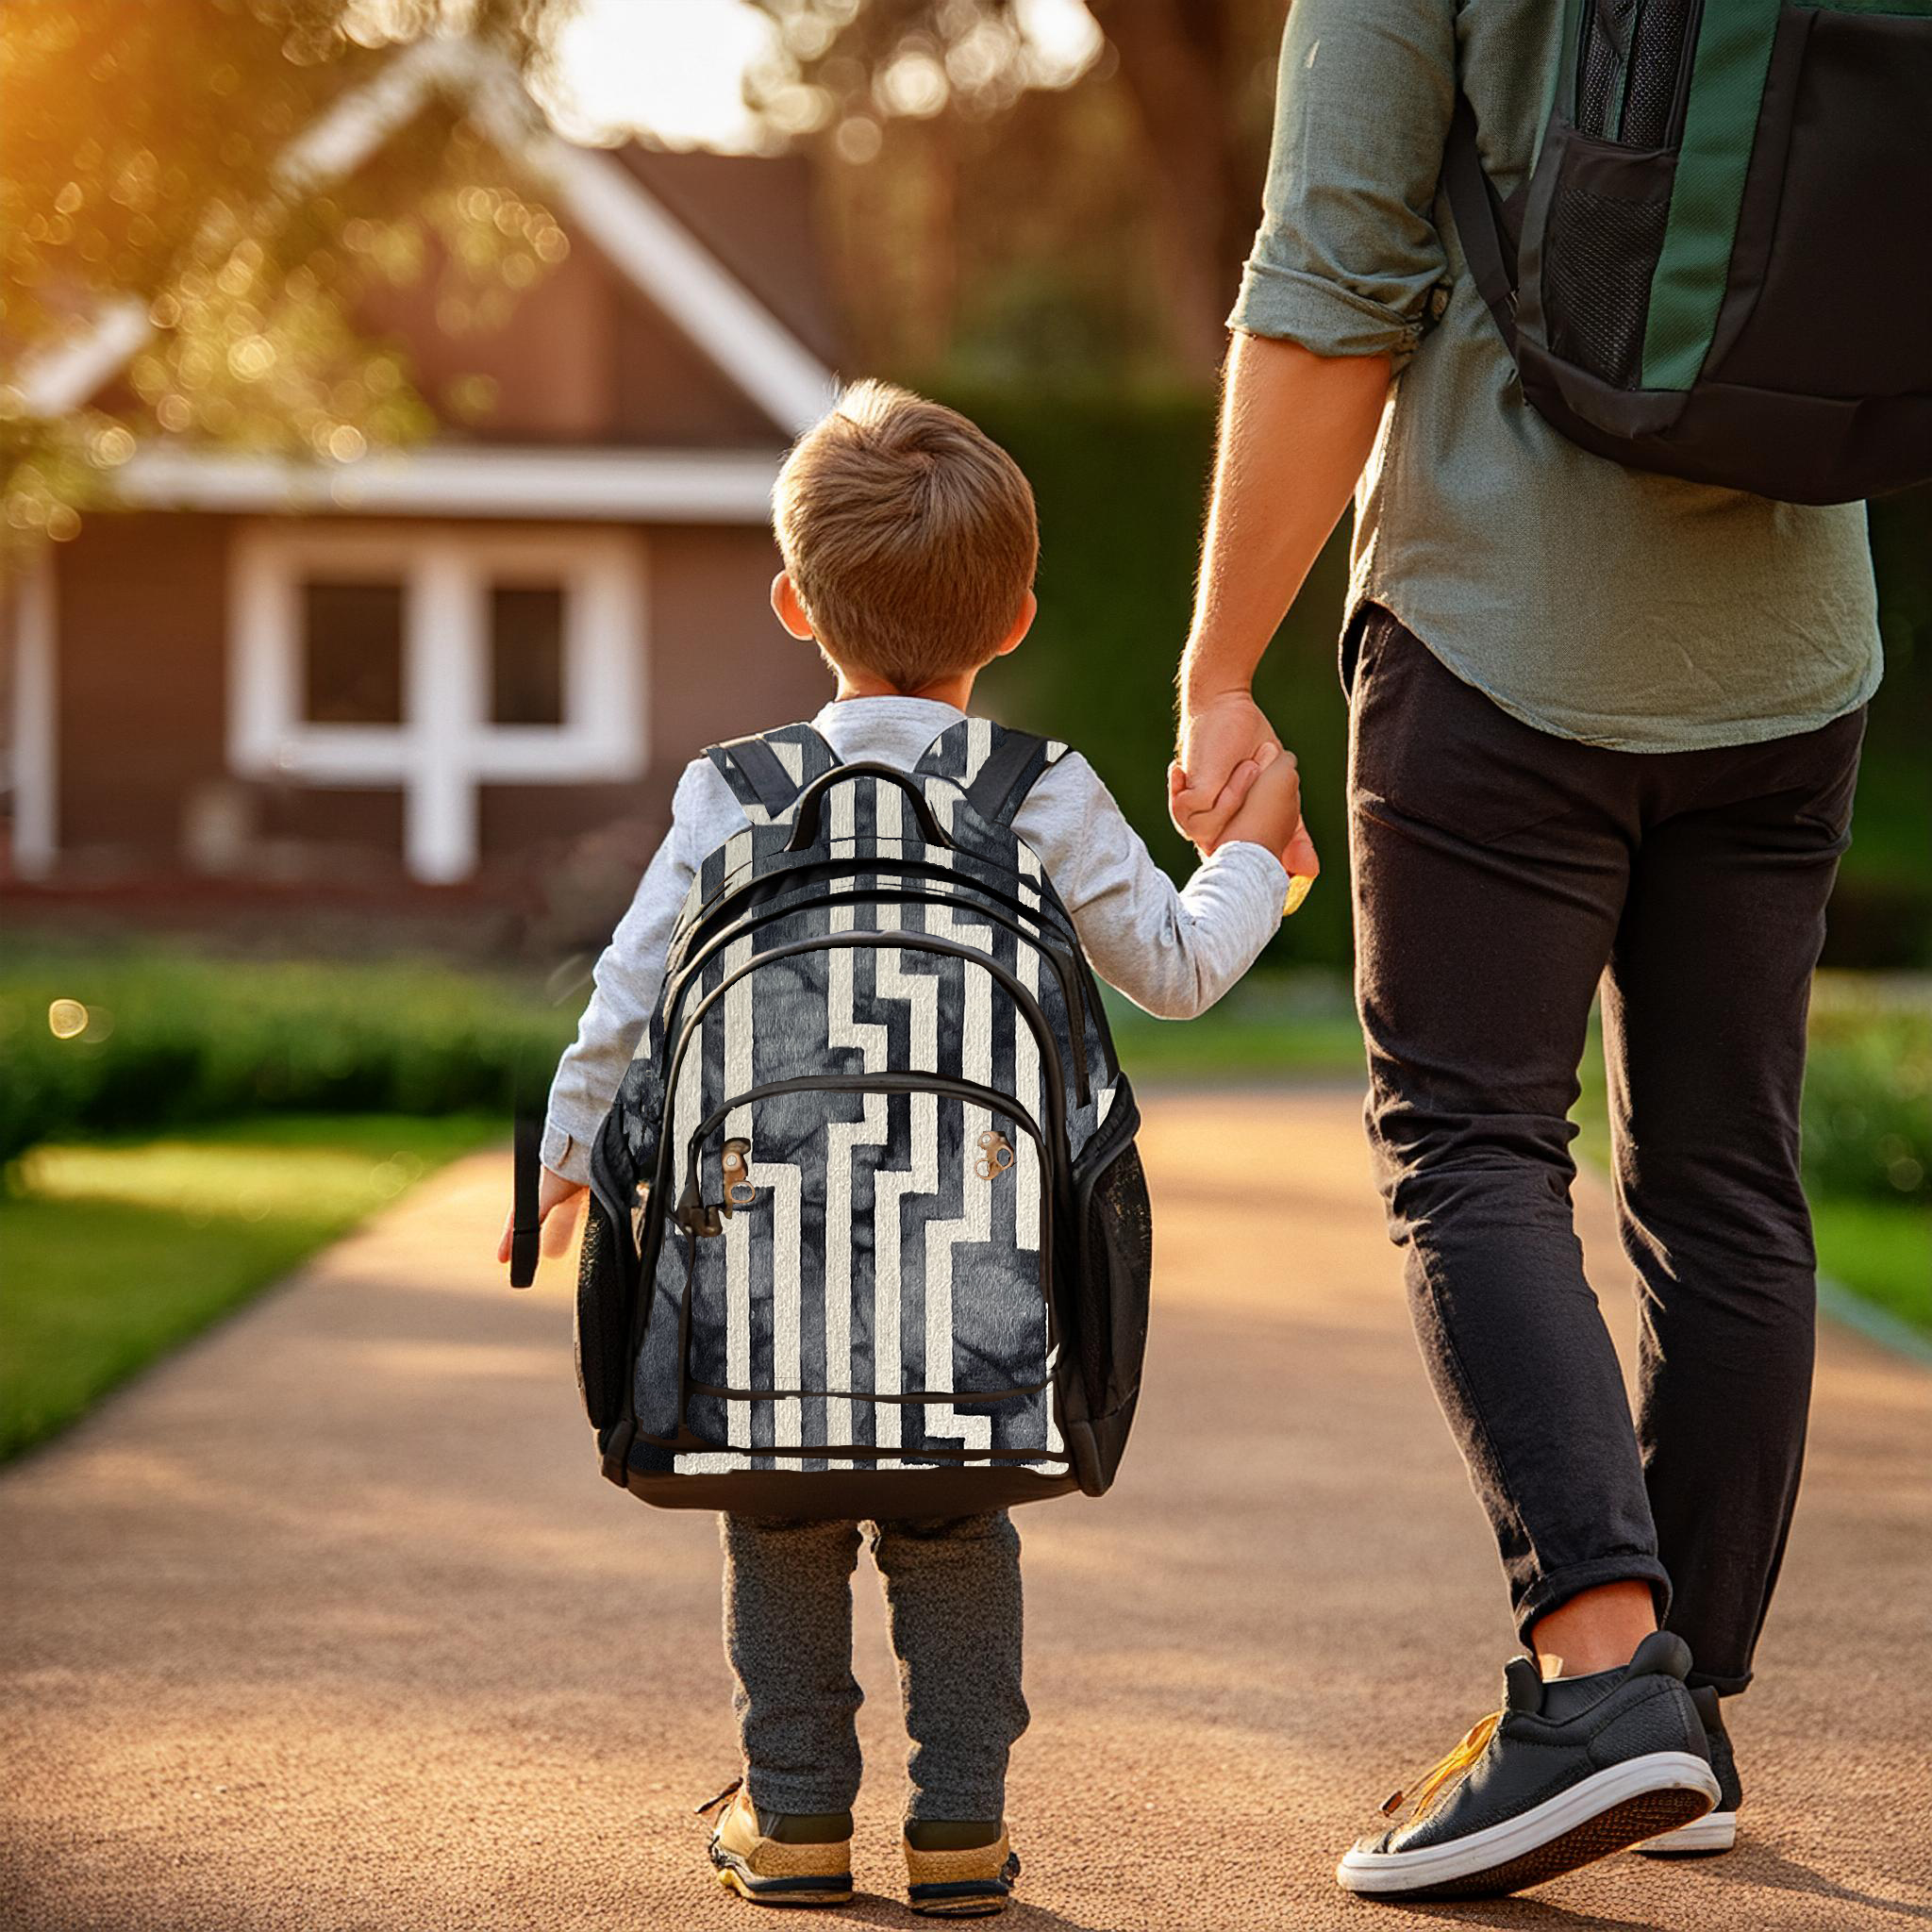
330	1624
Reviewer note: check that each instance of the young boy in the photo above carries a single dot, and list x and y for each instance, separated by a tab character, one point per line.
908	542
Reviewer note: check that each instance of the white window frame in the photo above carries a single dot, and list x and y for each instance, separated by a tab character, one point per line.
447	746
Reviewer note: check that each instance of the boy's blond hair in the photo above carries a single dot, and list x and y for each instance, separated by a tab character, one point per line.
909	536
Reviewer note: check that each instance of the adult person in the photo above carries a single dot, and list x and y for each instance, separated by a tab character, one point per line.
1604	726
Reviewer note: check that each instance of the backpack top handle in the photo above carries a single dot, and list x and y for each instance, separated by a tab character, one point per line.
805	830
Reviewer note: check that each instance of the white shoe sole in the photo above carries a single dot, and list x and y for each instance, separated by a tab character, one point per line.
1716	1831
1490	1854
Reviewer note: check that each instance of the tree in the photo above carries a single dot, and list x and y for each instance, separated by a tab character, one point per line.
145	171
1176	99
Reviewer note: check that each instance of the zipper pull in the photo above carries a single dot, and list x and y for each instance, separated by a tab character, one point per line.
734	1161
996	1154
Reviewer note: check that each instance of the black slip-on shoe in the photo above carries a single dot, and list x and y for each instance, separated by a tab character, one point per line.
777	1858
1566	1773
1716	1830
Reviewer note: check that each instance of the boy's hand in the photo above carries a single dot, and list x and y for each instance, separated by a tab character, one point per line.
559	1204
1271	816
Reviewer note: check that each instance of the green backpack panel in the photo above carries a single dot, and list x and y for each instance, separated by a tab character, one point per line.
1721	265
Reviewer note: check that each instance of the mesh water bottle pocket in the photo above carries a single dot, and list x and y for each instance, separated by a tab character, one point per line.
603	1324
1116	1275
1605	233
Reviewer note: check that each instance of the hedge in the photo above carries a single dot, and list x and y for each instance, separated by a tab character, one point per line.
175	1037
1120	483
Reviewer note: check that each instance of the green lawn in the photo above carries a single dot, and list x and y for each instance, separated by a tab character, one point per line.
116	1251
1880	1250
1272	1025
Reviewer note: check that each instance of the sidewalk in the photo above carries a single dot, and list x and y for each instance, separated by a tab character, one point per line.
331	1624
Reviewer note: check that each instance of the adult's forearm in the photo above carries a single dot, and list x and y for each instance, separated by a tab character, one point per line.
1295	430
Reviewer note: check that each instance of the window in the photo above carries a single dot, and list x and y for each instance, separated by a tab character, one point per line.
352	653
435	660
526	654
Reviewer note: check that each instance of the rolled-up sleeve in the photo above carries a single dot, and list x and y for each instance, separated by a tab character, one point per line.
1347	255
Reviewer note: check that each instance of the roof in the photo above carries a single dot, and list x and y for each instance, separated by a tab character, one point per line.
719	244
755	215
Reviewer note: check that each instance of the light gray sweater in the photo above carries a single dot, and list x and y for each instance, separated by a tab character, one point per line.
1173	951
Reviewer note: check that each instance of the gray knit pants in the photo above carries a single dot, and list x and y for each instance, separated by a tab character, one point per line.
952	1608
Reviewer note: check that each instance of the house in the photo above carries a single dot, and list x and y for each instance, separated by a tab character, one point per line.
440	667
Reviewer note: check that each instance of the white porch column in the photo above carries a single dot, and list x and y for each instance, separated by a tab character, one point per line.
446	658
34	754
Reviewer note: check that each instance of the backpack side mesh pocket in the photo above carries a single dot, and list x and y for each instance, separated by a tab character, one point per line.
1113	1268
603	1319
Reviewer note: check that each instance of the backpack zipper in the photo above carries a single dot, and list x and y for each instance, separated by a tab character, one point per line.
1065	970
892	941
801	866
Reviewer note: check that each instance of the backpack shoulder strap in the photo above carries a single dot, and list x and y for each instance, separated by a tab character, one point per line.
767	771
1484	221
995	766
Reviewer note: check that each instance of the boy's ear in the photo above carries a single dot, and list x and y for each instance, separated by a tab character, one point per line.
789	606
1029	608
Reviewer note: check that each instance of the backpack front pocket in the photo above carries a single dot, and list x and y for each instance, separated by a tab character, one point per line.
864	1278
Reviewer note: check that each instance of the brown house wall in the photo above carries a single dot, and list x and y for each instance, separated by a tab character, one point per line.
141	669
143	672
719	666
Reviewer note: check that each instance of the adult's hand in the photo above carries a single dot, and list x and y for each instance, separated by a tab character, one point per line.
1225	743
1229	734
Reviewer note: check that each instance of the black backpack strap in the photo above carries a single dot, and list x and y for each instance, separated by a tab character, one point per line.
995	766
1483	220
767	771
525	1175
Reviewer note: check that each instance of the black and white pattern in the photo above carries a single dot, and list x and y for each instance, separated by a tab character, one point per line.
861	1110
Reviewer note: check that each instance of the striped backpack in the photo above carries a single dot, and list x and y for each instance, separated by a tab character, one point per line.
1721	265
869	1236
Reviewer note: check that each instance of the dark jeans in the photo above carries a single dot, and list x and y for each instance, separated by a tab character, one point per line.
1500	874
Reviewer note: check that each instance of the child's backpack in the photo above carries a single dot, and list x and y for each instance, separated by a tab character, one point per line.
894	1256
1721	265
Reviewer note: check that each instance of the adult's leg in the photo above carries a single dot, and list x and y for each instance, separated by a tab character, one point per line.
954	1611
1705	1008
1490	862
788	1633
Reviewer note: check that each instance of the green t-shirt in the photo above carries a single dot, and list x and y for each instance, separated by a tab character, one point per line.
1593	600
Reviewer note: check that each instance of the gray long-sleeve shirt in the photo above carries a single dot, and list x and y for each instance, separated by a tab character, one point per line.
1173	951
1596	601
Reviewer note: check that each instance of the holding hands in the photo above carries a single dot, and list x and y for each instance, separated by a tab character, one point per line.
1232	779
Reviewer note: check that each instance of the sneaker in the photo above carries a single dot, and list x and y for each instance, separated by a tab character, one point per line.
959	1871
1716	1830
781	1859
1566	1773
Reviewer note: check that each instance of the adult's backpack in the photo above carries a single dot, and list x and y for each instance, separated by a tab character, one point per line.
868	1234
1721	265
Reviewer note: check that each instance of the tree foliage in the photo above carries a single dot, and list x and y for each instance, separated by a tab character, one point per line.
141	143
1111	196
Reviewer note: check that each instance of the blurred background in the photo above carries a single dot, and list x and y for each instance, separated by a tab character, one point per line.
390	391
